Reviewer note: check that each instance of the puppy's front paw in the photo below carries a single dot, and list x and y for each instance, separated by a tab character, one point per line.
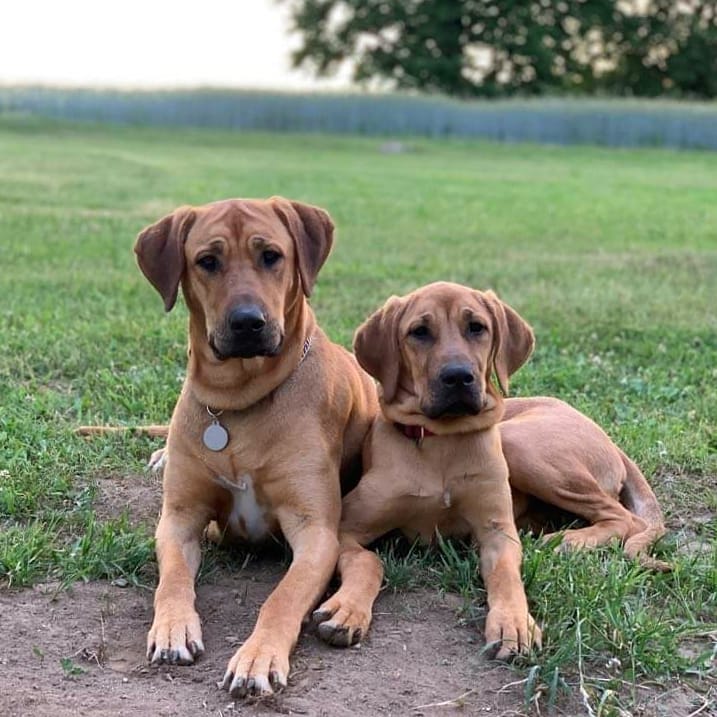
260	666
175	636
342	621
512	631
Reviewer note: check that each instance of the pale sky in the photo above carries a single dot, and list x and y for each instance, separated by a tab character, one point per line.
151	43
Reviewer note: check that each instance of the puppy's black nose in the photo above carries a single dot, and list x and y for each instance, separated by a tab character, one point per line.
247	318
456	375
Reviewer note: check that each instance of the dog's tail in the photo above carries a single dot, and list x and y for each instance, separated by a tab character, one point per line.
637	496
152	431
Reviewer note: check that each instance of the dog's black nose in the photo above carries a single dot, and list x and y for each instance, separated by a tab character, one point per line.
456	375
247	318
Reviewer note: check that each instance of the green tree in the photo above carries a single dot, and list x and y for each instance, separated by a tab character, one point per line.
503	47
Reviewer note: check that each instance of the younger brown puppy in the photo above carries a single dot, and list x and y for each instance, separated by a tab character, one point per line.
270	413
438	347
433	459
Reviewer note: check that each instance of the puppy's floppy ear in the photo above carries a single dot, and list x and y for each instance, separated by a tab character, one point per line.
312	230
160	252
513	340
376	346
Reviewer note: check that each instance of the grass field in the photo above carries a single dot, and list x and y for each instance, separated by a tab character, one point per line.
610	254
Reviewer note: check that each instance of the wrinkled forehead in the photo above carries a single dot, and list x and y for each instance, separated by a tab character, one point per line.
443	305
237	219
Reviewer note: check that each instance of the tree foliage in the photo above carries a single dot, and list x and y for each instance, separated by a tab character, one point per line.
505	47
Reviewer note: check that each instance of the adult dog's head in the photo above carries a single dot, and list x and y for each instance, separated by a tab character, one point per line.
434	352
244	266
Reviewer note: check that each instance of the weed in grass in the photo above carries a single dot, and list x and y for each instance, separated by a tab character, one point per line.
26	552
107	550
70	548
404	564
70	669
626	624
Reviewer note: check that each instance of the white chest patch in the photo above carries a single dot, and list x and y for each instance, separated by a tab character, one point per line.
246	518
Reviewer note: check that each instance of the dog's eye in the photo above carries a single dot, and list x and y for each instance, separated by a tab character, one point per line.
209	263
475	328
270	257
420	332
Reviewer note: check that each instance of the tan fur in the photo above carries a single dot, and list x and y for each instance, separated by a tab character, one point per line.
559	456
293	424
456	482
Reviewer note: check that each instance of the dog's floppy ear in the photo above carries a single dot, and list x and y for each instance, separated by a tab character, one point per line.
513	340
312	230
160	252
376	346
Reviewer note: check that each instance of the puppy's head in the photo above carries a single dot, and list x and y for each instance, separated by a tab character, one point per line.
434	352
243	266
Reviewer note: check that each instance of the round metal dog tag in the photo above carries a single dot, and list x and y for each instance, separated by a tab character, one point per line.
216	437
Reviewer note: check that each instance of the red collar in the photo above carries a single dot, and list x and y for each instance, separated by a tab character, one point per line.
415	433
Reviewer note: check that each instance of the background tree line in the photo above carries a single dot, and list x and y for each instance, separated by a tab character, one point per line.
496	48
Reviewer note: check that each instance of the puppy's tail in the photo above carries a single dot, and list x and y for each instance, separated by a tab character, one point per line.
637	496
152	431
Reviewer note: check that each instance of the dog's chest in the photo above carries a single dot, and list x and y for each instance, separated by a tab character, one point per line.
246	518
445	478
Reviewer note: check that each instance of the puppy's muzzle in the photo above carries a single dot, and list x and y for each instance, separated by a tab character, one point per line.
247	332
454	392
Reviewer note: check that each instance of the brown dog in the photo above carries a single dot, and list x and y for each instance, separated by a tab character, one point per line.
270	414
434	459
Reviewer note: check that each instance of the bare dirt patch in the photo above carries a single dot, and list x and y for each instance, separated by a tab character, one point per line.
82	652
418	654
138	495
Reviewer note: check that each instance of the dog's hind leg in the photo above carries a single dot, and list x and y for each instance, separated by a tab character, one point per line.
578	492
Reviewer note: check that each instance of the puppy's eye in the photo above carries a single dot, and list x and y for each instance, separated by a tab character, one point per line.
420	332
475	328
270	257
209	263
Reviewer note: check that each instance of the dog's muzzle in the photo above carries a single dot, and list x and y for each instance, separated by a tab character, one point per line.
454	393
246	333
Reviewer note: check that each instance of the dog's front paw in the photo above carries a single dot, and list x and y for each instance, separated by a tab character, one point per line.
157	460
512	632
341	620
175	636
260	666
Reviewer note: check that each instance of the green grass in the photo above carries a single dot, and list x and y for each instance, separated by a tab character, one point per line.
610	254
608	624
